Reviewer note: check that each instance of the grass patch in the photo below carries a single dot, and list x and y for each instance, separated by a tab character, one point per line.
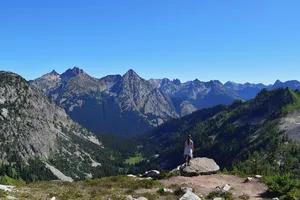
244	197
294	106
5	180
104	188
134	160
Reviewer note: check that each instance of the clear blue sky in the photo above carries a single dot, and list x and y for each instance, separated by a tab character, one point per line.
241	40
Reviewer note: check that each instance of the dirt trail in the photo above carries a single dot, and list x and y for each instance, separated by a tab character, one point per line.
203	185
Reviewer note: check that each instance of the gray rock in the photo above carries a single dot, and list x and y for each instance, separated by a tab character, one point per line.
219	190
275	198
129	197
141	198
131	175
218	198
258	176
227	187
177	169
152	174
166	190
249	179
190	196
200	166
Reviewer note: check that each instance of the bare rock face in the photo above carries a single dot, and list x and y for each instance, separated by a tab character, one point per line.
33	126
291	125
187	108
200	166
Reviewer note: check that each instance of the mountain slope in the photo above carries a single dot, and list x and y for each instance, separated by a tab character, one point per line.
235	135
124	105
34	130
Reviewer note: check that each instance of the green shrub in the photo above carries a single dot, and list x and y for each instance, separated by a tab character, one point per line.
161	191
5	180
281	185
166	175
294	194
244	197
2	194
178	192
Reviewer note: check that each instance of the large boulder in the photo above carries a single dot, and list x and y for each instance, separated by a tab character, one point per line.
200	166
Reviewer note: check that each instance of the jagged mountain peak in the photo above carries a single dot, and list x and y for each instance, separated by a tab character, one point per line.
230	84
70	73
277	82
131	72
53	72
176	81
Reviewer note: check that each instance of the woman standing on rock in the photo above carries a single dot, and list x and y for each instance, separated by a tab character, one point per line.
188	150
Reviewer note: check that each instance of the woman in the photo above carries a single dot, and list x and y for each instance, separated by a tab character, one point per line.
188	150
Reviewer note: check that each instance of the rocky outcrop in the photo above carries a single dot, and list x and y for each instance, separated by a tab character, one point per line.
200	166
34	127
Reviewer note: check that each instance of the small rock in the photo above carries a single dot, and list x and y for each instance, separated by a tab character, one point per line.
7	188
152	173
275	198
219	190
218	198
168	190
258	176
177	169
227	187
190	196
131	175
141	198
249	179
186	189
53	198
129	197
11	197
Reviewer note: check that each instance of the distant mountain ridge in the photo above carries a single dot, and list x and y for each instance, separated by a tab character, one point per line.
129	104
114	104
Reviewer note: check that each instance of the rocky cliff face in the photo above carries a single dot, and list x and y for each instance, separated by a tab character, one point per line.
115	104
33	126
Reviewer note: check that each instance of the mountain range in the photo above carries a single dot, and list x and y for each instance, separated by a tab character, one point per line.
40	141
130	105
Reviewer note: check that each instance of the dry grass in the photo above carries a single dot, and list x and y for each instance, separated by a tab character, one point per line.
107	188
